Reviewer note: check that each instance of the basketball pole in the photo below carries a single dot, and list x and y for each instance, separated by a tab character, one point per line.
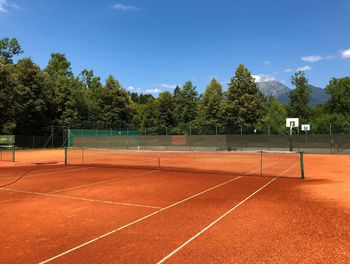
291	137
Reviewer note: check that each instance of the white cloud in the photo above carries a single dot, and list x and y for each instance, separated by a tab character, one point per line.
121	7
330	57
267	62
288	70
168	86
134	89
345	54
264	78
4	6
304	68
156	90
312	58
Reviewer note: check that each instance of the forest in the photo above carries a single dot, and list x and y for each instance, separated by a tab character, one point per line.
35	99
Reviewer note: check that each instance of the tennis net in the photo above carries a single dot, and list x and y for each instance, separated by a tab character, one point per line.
7	153
252	163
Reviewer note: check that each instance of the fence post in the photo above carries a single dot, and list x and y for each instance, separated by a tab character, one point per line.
13	153
51	136
302	164
65	156
261	163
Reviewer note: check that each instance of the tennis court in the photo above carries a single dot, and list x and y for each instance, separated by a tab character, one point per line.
85	205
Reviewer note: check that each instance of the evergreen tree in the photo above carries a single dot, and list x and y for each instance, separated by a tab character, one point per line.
210	113
186	107
245	102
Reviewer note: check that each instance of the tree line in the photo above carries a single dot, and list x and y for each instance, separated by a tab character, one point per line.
33	99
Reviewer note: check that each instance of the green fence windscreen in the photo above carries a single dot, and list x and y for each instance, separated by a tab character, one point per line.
7	139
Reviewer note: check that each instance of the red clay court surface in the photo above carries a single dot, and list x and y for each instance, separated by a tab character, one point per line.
82	214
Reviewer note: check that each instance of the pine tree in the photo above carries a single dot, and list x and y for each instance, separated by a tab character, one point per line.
186	107
210	113
245	102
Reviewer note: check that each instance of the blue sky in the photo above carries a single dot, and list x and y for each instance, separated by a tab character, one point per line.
152	45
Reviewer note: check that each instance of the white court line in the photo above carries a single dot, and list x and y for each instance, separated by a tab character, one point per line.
35	173
136	221
263	167
38	174
84	185
214	222
280	175
81	199
221	217
100	182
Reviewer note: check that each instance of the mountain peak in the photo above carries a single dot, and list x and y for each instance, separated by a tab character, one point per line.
273	88
281	92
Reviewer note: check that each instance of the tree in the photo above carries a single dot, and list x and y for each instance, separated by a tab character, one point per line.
64	106
9	48
165	112
210	114
337	110
275	118
147	117
299	103
8	97
88	98
33	101
186	107
58	66
245	102
116	104
339	90
177	91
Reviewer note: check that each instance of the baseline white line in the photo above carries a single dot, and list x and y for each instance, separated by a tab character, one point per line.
136	221
81	199
100	182
214	222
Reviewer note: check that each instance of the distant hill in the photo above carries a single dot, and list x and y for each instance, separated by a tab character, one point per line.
281	92
273	88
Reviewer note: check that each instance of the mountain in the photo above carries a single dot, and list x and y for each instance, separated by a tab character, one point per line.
281	92
273	88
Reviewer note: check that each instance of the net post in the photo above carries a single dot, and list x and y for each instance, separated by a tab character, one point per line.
65	155
301	153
